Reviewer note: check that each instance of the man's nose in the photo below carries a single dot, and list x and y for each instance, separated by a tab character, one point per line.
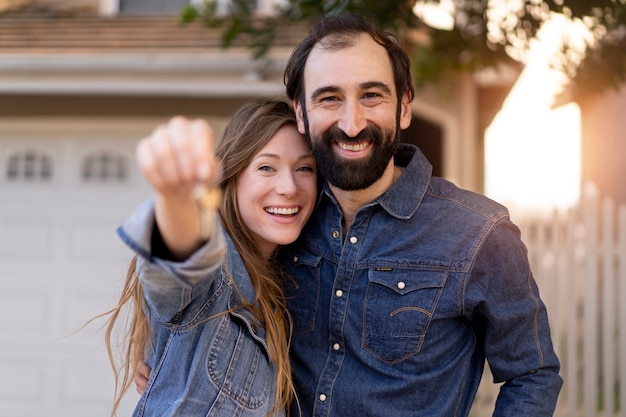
352	119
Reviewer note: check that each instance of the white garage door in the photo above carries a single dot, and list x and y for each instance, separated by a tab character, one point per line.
65	185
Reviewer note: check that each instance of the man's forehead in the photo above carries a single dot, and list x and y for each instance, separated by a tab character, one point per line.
360	62
344	42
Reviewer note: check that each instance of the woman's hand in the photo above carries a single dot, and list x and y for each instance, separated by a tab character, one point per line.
142	374
176	158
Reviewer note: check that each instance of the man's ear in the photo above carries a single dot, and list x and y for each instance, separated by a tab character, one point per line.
405	111
299	118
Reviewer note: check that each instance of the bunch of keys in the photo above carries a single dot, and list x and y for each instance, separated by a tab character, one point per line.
207	198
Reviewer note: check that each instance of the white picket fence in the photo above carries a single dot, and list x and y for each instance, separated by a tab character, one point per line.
578	258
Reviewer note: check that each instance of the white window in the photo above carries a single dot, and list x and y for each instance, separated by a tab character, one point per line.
29	165
104	167
173	7
152	7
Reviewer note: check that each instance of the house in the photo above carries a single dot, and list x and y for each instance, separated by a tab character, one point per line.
81	81
603	131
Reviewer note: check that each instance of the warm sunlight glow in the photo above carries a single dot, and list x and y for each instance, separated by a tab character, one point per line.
437	15
532	152
533	159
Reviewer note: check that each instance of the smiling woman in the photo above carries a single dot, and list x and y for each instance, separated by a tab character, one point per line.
213	293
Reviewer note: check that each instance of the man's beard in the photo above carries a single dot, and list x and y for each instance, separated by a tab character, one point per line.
353	174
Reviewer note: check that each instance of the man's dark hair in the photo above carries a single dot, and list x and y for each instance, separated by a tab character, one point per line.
338	32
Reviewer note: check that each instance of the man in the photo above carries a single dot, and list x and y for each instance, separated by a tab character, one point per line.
402	283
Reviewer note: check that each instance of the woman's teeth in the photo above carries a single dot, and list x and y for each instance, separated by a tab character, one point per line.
282	211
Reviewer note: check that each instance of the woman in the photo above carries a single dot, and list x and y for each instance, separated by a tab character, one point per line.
215	328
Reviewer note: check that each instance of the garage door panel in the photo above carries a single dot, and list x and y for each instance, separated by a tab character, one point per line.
23	313
26	237
94	239
61	262
86	368
22	380
83	304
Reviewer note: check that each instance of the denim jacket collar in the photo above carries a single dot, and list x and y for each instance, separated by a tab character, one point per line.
242	292
404	196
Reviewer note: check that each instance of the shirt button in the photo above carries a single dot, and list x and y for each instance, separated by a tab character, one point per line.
295	259
353	239
336	346
401	285
335	234
322	397
339	293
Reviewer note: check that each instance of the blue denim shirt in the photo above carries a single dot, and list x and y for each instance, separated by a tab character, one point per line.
204	362
398	318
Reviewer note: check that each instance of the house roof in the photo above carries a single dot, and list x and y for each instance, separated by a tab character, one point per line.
133	55
32	33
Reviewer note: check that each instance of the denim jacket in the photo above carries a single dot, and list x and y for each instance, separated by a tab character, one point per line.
397	318
204	362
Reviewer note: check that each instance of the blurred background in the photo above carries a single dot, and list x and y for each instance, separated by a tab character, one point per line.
521	100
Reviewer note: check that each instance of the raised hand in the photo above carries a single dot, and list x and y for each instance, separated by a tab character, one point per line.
176	159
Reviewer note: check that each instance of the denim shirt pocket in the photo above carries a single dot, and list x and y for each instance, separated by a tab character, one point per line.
399	305
302	290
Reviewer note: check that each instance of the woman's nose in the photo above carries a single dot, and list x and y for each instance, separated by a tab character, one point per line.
286	185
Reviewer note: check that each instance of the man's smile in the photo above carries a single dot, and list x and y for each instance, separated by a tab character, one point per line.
353	147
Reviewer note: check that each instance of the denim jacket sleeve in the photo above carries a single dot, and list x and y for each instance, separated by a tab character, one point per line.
503	300
170	286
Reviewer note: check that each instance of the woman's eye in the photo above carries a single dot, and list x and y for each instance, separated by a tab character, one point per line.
306	168
265	168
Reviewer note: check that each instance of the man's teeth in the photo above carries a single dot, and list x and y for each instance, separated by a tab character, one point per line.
282	211
352	146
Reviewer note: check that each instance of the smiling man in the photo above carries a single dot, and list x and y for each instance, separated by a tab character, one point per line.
403	284
353	114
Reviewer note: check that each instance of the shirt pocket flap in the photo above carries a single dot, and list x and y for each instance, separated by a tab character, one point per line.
405	280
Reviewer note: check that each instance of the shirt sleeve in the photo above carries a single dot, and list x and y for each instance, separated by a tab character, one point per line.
502	299
170	286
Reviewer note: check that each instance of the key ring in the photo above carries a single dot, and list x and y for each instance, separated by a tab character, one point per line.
207	199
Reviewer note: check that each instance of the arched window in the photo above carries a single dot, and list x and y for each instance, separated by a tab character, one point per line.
29	166
104	167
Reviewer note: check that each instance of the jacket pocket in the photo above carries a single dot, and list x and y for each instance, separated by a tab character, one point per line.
238	365
399	305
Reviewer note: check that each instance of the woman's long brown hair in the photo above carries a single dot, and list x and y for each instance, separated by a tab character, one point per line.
250	129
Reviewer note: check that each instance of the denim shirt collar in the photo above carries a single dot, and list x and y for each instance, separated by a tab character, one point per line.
404	196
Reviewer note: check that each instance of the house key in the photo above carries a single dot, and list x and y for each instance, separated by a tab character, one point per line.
207	198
